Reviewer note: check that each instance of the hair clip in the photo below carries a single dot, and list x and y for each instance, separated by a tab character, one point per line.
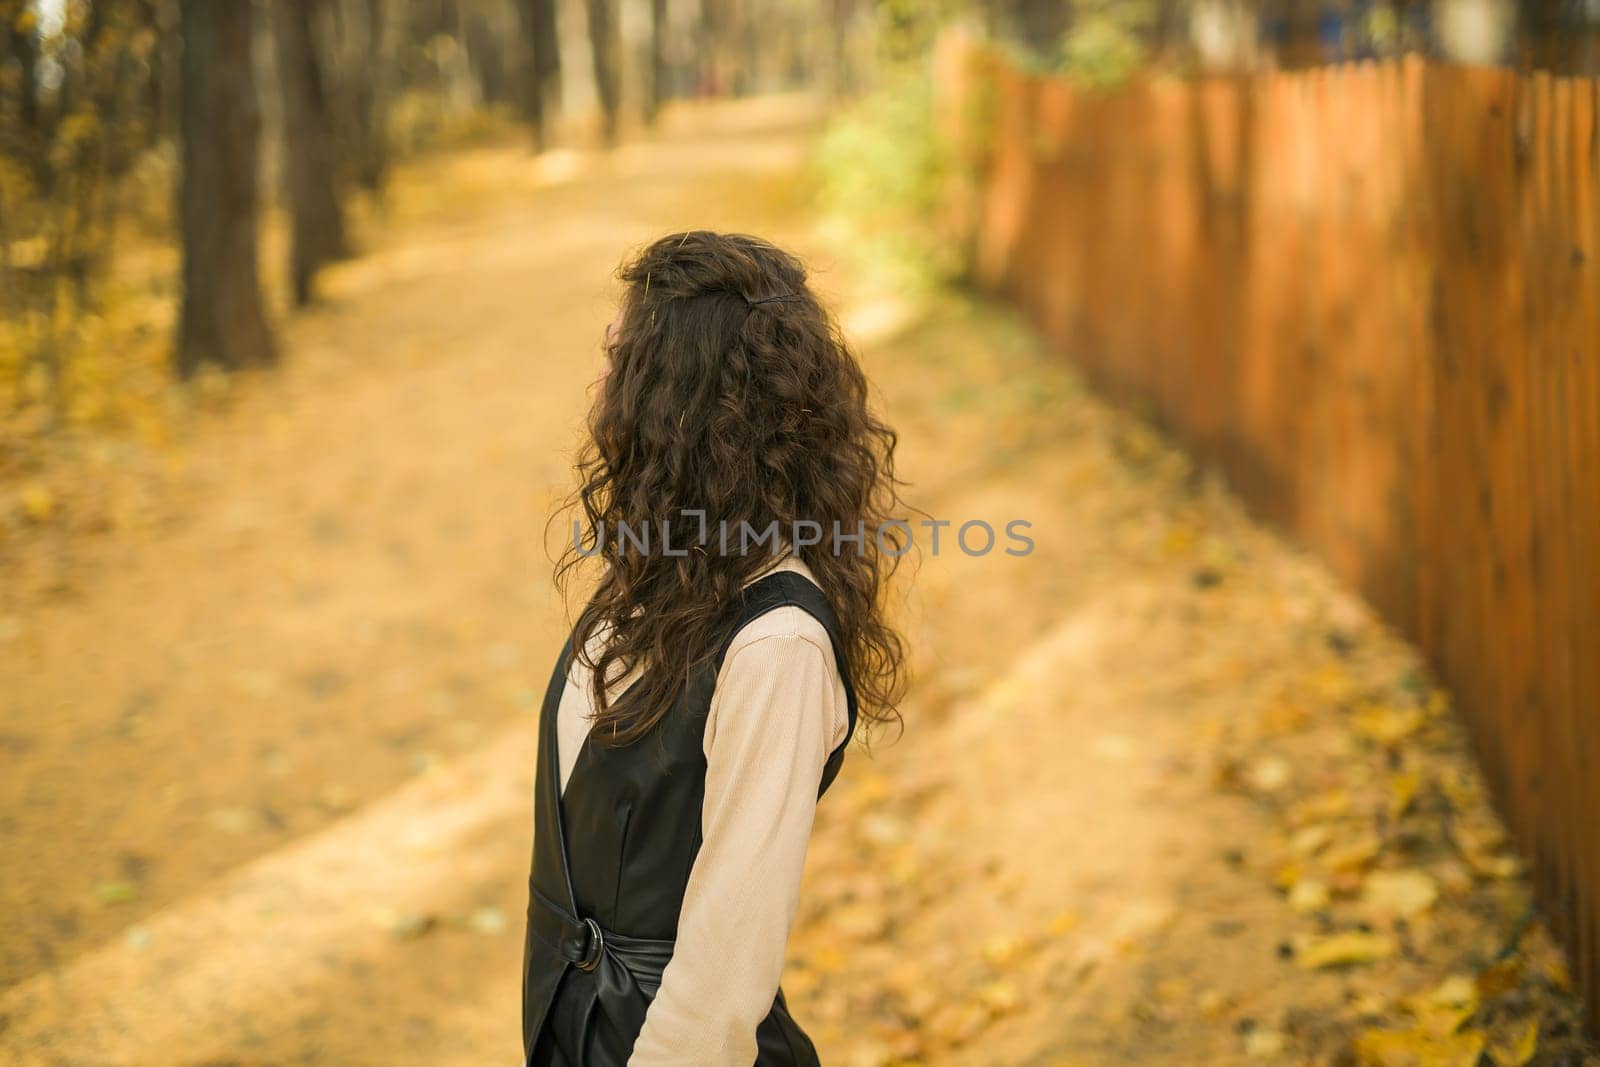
781	297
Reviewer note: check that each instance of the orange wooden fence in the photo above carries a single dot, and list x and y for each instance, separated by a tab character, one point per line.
1371	294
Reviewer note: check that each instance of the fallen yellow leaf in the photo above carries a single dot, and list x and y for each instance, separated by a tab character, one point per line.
1310	840
1309	895
38	502
1402	791
1354	855
1063	922
1331	683
1456	991
1405	893
1339	950
1386	725
1416	1048
1001	998
1332	804
1002	951
1446	1007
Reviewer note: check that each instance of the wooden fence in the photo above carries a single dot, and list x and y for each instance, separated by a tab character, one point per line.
1369	293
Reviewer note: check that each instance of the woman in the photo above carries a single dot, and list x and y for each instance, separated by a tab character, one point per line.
734	489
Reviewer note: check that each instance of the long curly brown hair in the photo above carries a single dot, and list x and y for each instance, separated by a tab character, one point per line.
732	392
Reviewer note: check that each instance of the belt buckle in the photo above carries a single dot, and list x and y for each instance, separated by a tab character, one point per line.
597	945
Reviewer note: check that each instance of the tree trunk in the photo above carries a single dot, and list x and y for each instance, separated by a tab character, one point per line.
369	78
716	27
540	63
604	47
1553	37
1040	24
161	88
429	19
317	234
841	75
531	81
547	52
23	46
485	44
658	89
1302	37
222	321
20	39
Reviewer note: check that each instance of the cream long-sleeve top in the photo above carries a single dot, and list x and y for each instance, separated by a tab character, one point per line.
777	712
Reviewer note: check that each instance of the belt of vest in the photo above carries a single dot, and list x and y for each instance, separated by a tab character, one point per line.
582	943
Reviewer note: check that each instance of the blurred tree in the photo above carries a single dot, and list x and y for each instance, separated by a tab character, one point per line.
431	45
317	232
1037	24
429	19
841	72
657	85
362	75
1107	41
486	41
1300	33
752	24
20	25
222	321
547	50
713	47
906	29
161	86
604	49
1558	35
1034	27
1168	26
540	63
76	108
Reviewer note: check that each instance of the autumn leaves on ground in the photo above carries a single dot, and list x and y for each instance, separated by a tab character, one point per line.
1166	793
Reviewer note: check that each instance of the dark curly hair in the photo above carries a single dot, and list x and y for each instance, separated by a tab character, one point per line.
731	391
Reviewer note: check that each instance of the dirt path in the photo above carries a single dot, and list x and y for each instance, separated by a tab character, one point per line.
355	582
1133	758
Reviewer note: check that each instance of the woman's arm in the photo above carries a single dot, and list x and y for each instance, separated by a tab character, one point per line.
777	713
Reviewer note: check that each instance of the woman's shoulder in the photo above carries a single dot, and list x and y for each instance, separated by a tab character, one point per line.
789	625
784	629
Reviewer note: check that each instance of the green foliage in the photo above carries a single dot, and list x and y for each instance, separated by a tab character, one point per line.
420	121
429	113
880	170
1105	46
69	144
906	29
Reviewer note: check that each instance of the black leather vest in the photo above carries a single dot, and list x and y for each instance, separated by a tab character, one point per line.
611	860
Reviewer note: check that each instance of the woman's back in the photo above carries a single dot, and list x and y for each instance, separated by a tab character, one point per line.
672	850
